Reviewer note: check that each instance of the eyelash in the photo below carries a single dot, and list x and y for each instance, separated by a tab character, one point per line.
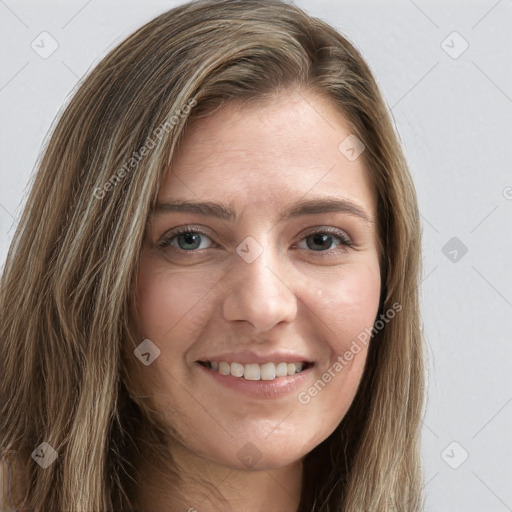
345	241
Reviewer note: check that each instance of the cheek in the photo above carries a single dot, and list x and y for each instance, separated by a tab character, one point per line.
359	302
153	299
166	302
346	307
348	304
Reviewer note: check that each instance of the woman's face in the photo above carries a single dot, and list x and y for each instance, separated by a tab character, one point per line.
279	266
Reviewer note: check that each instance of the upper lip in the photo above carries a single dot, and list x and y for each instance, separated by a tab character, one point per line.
247	357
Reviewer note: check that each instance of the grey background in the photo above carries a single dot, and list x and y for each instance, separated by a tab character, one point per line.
453	111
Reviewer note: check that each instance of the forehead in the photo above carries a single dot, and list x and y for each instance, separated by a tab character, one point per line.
262	155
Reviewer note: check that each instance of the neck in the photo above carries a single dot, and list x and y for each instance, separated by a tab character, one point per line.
200	485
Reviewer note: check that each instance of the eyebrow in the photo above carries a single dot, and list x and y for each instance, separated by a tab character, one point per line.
296	209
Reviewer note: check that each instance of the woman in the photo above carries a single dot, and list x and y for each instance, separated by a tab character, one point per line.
254	370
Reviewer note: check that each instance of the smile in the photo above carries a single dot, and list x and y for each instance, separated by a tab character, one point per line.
254	371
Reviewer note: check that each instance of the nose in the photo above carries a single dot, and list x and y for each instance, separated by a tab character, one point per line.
258	293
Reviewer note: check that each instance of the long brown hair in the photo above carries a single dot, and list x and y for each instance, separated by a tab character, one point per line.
67	291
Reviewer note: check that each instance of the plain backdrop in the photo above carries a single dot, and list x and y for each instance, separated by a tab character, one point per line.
445	72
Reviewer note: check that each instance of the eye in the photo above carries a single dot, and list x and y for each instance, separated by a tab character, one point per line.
322	240
185	239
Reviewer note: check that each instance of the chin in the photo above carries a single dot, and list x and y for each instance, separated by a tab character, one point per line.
258	455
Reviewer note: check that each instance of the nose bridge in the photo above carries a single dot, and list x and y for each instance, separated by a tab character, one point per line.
259	292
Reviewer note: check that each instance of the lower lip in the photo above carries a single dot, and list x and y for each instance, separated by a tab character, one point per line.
263	389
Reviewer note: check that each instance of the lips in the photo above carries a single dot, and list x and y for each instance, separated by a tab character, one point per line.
259	381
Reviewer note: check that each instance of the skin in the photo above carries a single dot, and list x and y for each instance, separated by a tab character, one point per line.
293	297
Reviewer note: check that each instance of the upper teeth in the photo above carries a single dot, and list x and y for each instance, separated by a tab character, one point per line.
253	371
